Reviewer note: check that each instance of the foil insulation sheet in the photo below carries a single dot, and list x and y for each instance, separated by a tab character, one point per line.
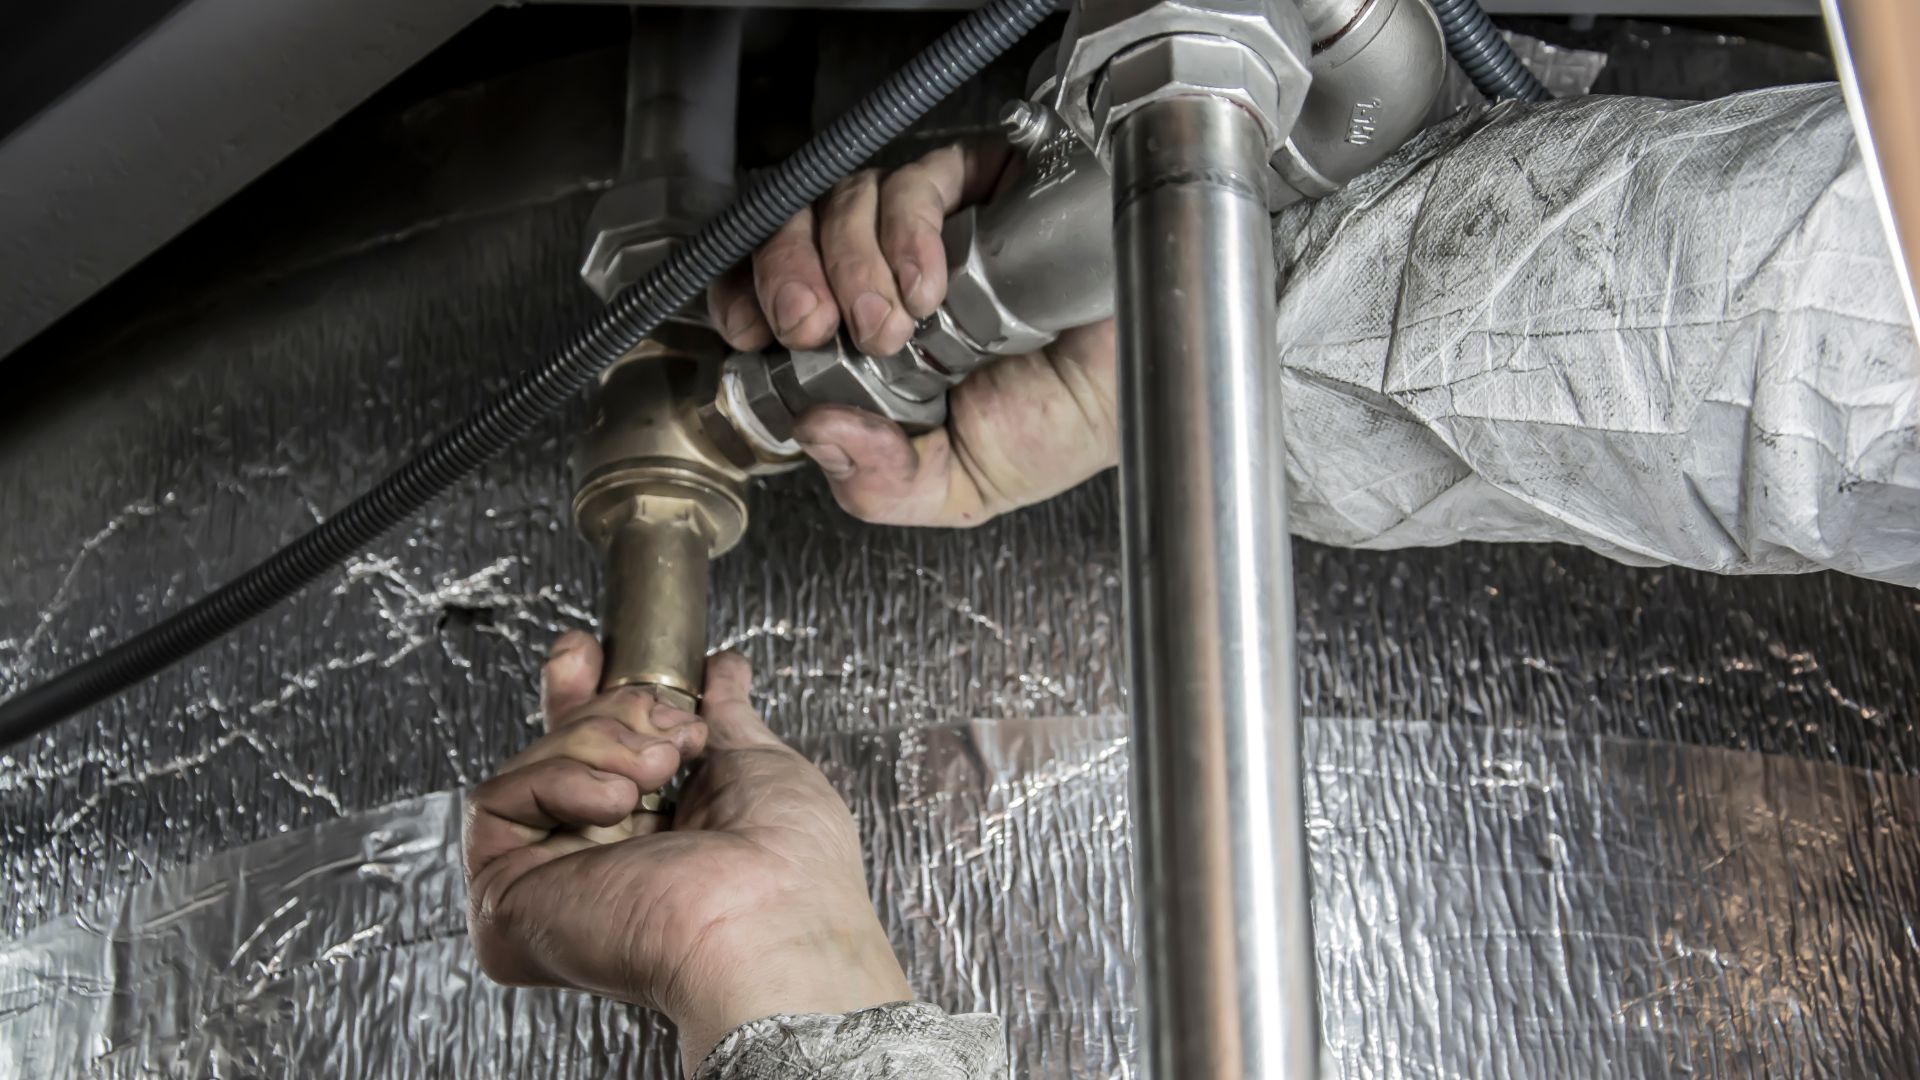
1490	902
1567	816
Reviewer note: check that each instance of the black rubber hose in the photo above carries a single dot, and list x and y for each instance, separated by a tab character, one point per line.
1489	61
881	116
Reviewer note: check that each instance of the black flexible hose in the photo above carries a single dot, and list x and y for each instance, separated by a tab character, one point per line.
1489	61
881	116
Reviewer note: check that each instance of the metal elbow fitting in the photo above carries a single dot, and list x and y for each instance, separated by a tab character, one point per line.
1377	66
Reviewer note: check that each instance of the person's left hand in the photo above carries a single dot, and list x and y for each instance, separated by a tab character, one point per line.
753	904
870	258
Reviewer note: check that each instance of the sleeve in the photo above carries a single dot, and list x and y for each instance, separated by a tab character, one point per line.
908	1040
1671	332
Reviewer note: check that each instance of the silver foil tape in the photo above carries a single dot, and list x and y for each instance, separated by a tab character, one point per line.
1569	816
1489	903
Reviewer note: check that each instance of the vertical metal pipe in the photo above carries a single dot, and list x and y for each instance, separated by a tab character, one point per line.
1226	935
683	89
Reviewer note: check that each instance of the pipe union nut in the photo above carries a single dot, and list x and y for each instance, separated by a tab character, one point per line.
836	374
949	348
635	225
1187	65
1275	30
976	308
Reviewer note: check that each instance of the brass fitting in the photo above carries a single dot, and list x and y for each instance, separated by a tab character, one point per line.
659	497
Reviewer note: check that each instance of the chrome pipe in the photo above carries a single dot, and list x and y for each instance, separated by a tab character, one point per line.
1226	938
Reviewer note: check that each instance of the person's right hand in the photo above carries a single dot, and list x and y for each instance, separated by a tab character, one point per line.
1022	429
754	903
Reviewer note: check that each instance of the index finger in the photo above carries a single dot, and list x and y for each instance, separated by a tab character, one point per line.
914	204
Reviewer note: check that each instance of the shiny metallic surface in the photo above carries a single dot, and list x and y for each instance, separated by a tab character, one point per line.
940	342
1024	123
1873	46
1374	87
1227	946
1036	259
746	388
1189	65
677	154
653	625
634	226
1328	19
658	499
899	387
1099	30
1561	810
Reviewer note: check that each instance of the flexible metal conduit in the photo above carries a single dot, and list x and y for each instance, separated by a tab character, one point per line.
955	57
1489	61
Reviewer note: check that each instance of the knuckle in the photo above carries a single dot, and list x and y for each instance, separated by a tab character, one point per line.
592	735
912	184
782	252
799	223
487	793
852	188
849	269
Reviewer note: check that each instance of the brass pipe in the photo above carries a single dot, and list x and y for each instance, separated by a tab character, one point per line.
660	490
654	621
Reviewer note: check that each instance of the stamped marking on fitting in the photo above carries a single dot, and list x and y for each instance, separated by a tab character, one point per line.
1362	125
1052	161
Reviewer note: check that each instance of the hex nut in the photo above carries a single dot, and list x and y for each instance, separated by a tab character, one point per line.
946	345
633	226
1186	65
837	375
753	400
1275	30
911	374
971	301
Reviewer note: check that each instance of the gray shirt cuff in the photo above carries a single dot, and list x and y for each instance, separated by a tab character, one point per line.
907	1040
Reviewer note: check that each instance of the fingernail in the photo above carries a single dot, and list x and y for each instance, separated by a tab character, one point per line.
832	460
667	716
565	645
660	755
635	741
870	315
792	304
910	281
740	317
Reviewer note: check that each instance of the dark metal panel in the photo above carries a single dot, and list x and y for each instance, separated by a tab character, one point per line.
188	114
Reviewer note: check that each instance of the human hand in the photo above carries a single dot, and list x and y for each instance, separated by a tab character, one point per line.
1020	430
753	904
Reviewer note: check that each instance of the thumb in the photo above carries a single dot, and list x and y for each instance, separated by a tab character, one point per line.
726	706
881	476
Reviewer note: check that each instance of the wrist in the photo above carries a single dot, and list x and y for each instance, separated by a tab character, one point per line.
832	967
